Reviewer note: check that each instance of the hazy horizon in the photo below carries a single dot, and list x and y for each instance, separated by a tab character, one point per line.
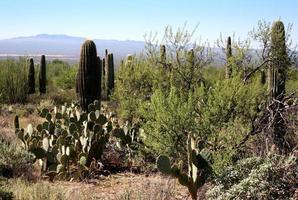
128	20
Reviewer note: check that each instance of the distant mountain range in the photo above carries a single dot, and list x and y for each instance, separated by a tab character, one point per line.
64	47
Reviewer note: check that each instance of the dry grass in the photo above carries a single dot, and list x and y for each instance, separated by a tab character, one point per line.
116	187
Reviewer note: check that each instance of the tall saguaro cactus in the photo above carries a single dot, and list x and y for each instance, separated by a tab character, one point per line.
31	77
228	57
100	74
280	61
42	75
110	74
163	55
88	88
277	73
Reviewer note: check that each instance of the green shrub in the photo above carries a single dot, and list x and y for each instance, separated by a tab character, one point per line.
134	87
67	79
14	160
22	189
273	177
13	81
168	119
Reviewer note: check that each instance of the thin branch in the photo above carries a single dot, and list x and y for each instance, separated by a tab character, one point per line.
255	70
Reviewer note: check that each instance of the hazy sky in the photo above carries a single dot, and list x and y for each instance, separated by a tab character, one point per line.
131	19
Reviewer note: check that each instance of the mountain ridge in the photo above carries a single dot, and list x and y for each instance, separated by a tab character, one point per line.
65	45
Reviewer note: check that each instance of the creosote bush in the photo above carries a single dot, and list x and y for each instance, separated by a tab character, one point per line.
13	81
272	177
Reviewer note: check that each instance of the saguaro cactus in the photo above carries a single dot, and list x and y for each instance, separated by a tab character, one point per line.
42	75
228	57
31	77
280	61
88	88
163	55
16	122
110	74
277	81
100	74
199	169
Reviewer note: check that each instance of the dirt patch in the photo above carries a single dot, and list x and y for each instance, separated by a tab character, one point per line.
126	186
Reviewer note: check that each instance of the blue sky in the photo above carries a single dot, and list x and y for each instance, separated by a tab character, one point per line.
131	19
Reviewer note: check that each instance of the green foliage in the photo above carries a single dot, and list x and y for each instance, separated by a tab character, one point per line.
5	194
13	81
14	161
292	80
226	115
66	80
167	120
273	177
62	75
134	85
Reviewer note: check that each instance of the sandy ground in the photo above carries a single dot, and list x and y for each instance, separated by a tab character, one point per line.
126	186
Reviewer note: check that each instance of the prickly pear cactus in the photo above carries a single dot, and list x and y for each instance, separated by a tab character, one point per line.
68	139
199	169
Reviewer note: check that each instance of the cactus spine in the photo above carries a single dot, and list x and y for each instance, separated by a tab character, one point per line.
42	75
228	57
31	77
277	81
199	169
88	88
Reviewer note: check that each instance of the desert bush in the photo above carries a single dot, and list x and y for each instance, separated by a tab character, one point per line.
22	189
14	161
134	87
221	115
13	81
168	119
5	194
62	75
272	177
66	79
